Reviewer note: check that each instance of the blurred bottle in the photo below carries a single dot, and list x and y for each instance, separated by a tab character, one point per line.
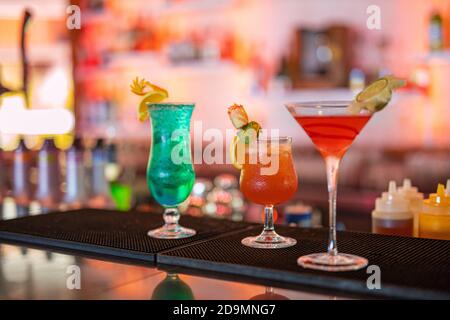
2	178
435	32
392	214
219	201
197	199
299	215
21	186
48	188
357	80
112	166
75	196
100	190
2	183
122	188
434	220
121	179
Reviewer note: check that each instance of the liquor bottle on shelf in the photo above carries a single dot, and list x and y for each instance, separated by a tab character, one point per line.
434	220
392	214
435	32
21	185
2	183
75	196
2	178
48	189
100	190
112	166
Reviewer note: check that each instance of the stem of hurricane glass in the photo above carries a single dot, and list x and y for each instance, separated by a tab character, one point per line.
171	217
332	165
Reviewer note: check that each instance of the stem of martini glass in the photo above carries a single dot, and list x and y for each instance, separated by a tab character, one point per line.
332	165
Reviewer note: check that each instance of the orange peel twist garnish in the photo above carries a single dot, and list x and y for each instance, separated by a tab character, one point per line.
150	93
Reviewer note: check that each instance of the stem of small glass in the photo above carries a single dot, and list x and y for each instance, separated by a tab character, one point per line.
332	165
268	221
268	233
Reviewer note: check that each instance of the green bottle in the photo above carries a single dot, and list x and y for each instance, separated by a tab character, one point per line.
436	35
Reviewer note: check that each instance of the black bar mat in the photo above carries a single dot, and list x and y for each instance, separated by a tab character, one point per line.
108	233
410	268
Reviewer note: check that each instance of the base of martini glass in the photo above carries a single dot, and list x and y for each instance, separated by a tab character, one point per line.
268	240
328	262
171	228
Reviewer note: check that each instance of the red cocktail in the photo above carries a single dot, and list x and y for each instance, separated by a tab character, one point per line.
332	135
332	129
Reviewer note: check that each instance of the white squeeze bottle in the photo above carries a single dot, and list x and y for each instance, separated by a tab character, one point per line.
415	202
392	214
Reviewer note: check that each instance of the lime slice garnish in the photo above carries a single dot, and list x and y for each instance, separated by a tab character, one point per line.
245	136
250	132
376	96
373	90
234	153
394	82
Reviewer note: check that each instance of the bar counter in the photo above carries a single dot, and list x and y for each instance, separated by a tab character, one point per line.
115	259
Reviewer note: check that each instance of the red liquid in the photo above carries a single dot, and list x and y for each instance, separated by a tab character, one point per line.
333	135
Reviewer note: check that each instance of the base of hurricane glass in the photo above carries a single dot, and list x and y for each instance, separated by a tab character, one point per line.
268	240
327	262
170	232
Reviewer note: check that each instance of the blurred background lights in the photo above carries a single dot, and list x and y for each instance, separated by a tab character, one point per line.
15	119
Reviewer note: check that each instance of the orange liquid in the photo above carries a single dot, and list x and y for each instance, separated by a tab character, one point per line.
434	226
333	135
269	189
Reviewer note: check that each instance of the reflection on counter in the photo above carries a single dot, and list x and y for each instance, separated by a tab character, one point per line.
172	288
269	294
34	274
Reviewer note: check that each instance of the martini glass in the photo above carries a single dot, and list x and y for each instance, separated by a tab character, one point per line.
332	129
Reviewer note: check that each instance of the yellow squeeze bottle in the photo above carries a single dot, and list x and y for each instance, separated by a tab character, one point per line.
434	220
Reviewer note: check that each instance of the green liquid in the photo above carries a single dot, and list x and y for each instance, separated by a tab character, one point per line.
170	174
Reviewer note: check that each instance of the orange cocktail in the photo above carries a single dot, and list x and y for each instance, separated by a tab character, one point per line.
269	189
268	177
